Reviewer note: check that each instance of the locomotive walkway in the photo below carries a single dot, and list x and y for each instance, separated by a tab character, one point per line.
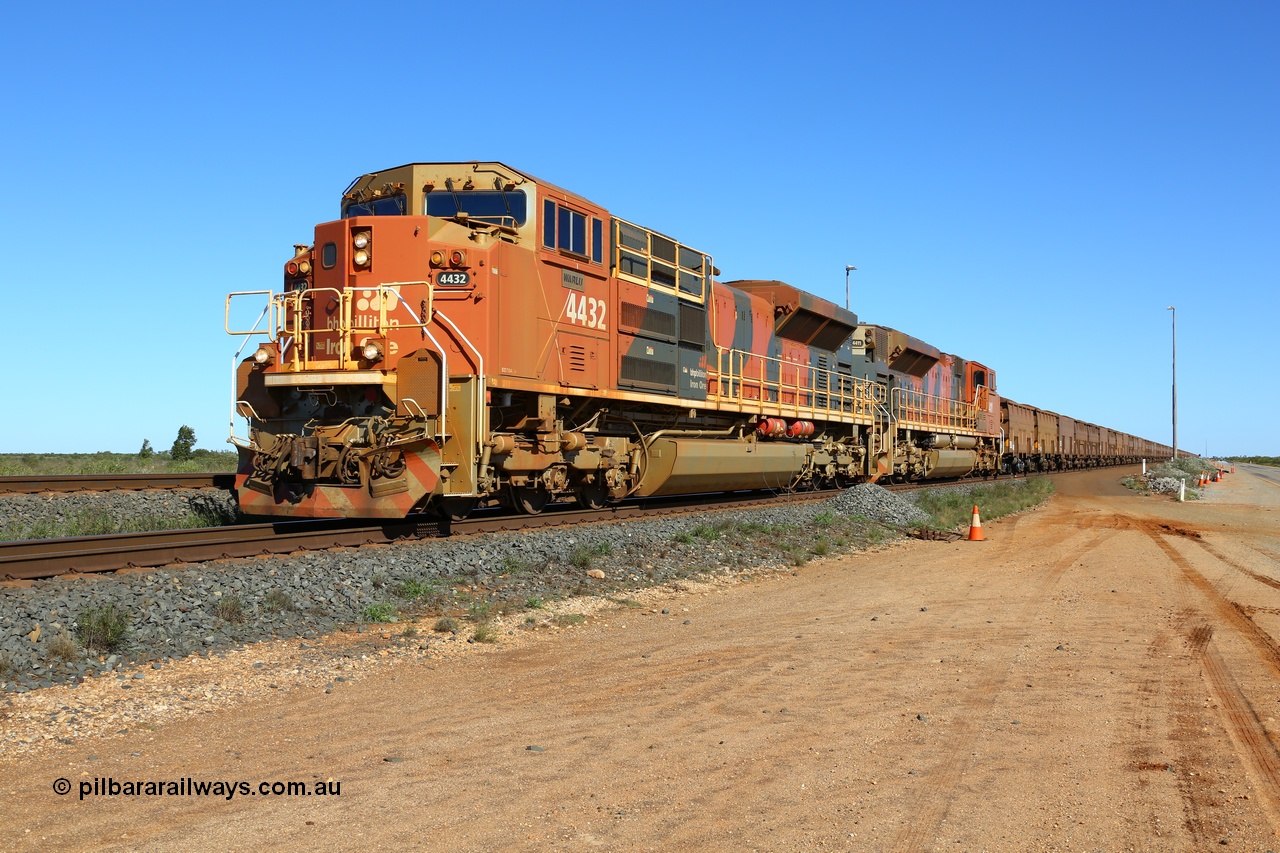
1099	674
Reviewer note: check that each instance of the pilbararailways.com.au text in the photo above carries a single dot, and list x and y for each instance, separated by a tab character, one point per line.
188	787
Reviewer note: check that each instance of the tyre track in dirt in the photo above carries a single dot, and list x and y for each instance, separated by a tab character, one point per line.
929	810
1240	718
1156	714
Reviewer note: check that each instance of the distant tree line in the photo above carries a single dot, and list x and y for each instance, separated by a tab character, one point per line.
1256	460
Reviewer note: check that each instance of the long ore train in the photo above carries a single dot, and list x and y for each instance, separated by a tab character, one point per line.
466	333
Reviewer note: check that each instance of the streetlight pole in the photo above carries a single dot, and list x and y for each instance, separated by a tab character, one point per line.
1175	381
848	268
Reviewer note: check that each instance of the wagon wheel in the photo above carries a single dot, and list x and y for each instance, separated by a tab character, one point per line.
529	500
593	496
456	509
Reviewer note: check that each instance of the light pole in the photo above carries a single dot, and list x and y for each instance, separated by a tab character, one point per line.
848	268
1175	381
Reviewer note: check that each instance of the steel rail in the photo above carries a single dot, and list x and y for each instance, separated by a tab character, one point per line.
42	558
113	482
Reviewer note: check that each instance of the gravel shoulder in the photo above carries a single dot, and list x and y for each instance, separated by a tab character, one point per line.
1100	674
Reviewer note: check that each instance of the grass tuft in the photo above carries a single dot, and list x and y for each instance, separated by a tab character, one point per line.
277	601
62	647
104	628
446	625
230	608
951	509
377	613
584	555
416	590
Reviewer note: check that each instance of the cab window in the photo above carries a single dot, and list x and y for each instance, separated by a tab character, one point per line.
391	206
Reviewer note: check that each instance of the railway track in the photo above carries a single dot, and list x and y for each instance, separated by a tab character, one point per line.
113	482
43	558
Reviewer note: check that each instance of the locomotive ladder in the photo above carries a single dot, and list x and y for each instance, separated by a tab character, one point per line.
882	434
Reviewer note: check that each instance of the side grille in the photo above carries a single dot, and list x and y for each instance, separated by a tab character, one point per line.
648	320
649	372
693	325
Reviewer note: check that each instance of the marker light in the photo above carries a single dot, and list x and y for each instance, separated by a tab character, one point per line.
437	259
457	258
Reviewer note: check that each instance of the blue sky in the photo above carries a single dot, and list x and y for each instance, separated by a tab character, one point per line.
1022	184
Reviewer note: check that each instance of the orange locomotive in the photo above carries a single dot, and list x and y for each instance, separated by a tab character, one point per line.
466	333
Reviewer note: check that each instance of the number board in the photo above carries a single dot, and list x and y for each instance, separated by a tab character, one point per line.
453	278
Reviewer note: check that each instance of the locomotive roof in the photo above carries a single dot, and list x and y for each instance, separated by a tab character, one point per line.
477	166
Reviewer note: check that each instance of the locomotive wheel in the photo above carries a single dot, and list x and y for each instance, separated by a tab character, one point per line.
593	497
529	500
456	509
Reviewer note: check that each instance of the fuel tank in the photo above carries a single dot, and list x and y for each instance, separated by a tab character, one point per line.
949	463
684	465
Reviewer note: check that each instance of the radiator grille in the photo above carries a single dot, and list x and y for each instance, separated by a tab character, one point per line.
648	320
649	372
693	325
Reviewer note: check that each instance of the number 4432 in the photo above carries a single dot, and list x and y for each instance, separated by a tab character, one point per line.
585	311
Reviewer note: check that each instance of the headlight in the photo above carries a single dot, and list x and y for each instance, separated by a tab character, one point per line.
371	351
360	240
263	355
361	258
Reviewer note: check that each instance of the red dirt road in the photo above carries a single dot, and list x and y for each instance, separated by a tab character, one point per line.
1101	674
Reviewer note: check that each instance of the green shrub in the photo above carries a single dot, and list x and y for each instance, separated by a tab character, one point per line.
380	612
104	628
446	625
415	590
485	633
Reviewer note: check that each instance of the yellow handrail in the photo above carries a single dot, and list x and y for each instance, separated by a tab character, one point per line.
914	409
742	378
356	314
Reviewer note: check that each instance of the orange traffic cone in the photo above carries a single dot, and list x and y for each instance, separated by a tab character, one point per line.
975	527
